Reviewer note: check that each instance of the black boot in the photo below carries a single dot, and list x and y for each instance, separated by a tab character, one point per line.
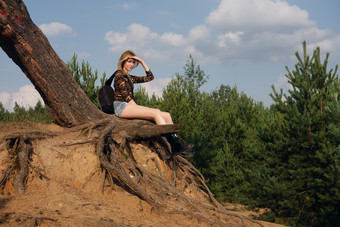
179	148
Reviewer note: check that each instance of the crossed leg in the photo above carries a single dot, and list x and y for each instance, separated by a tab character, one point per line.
133	110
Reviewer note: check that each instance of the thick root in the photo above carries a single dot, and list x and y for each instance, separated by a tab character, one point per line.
20	149
164	194
174	186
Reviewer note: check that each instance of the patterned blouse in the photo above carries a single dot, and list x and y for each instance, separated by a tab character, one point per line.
124	89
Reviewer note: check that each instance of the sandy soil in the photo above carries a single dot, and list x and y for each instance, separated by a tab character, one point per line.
73	196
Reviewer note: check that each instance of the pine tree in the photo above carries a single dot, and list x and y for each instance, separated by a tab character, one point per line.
308	153
85	78
223	126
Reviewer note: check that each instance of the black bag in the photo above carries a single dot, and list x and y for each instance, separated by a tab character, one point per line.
106	96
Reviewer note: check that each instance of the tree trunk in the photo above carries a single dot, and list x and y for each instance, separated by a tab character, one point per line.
29	48
177	191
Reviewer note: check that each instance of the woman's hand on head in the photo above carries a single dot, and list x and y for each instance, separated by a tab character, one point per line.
146	68
136	58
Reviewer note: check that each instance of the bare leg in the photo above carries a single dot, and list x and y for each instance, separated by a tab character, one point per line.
132	110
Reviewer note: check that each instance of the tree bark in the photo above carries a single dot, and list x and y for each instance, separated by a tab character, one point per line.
29	48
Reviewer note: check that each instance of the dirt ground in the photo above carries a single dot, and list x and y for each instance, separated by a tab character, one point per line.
73	194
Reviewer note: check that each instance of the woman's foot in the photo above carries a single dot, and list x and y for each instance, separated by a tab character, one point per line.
179	148
184	154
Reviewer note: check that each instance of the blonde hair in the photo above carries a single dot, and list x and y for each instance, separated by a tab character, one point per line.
124	57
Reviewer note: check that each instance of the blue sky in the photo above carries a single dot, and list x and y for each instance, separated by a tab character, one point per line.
243	43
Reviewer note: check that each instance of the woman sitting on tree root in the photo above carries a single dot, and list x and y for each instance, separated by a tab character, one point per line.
126	107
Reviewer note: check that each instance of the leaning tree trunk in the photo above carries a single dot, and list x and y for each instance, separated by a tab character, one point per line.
168	193
28	47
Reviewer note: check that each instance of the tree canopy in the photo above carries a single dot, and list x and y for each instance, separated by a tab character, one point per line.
285	157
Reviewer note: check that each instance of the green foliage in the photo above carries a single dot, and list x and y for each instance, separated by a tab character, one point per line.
224	126
183	99
143	98
82	74
308	152
285	157
37	114
85	78
3	113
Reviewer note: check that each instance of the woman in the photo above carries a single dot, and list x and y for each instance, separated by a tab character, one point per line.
125	105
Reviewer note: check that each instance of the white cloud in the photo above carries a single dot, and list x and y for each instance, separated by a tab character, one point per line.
115	38
282	83
56	29
230	37
258	15
141	32
27	96
263	30
237	31
5	98
156	86
138	38
200	32
83	55
173	39
152	45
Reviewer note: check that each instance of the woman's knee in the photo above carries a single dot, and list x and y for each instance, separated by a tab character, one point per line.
166	115
157	113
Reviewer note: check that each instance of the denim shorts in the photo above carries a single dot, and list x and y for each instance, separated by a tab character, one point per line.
119	107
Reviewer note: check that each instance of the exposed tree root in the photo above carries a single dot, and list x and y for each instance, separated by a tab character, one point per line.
35	220
90	140
38	171
105	152
20	149
175	187
166	197
5	175
24	150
